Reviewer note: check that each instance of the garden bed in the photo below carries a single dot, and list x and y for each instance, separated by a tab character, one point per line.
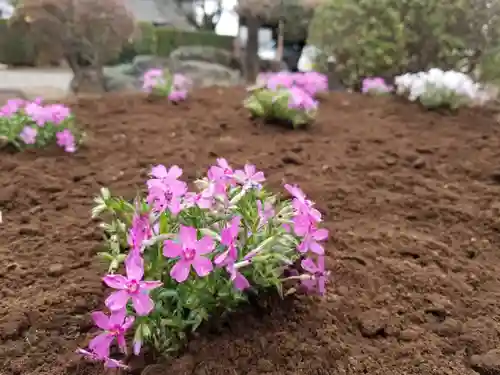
411	200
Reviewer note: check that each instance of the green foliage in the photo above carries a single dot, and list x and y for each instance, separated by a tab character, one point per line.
15	48
168	39
390	37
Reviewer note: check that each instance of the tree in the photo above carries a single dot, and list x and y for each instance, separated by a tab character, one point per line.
294	15
391	37
89	33
211	11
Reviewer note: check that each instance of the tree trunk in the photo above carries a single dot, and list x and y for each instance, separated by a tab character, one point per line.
251	50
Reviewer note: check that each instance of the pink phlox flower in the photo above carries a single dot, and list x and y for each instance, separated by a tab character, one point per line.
318	274
249	177
280	80
181	83
240	282
12	107
114	327
108	362
131	287
57	113
221	173
202	200
301	204
191	252
28	135
177	96
38	113
375	84
265	212
300	99
66	140
140	231
152	79
165	190
229	236
305	228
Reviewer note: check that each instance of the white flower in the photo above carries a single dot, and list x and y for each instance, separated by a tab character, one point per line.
437	87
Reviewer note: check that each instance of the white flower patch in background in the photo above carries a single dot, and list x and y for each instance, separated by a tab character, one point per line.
438	88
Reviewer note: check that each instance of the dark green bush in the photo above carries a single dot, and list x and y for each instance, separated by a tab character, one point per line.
15	48
167	40
390	37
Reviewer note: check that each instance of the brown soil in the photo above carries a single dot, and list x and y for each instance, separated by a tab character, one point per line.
411	199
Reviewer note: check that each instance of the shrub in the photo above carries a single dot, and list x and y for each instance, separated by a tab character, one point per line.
287	97
375	86
191	255
88	32
161	82
391	37
168	40
33	124
16	49
437	88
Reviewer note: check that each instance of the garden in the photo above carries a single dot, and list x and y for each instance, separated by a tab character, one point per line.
277	228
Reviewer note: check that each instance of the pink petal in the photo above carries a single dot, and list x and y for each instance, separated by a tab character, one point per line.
150	285
100	344
219	259
316	248
171	249
259	177
174	172
308	265
205	245
203	266
180	271
122	344
100	319
117	300
127	323
115	281
240	282
320	234
159	171
188	237
143	304
117	317
240	175
134	266
249	169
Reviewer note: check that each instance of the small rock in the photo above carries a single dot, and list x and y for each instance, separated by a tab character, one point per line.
419	163
486	364
291	158
448	328
30	231
390	160
411	334
56	269
7	194
373	323
265	365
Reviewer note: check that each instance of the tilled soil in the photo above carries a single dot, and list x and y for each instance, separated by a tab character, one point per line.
411	199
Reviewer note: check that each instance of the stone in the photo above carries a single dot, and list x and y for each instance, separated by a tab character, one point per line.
142	63
204	53
204	74
486	364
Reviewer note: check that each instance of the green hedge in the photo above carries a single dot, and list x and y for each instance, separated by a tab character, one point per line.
167	40
15	48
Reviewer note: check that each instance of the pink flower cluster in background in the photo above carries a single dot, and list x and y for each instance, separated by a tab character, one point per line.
175	87
375	85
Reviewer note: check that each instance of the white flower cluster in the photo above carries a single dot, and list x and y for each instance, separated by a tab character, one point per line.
437	88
